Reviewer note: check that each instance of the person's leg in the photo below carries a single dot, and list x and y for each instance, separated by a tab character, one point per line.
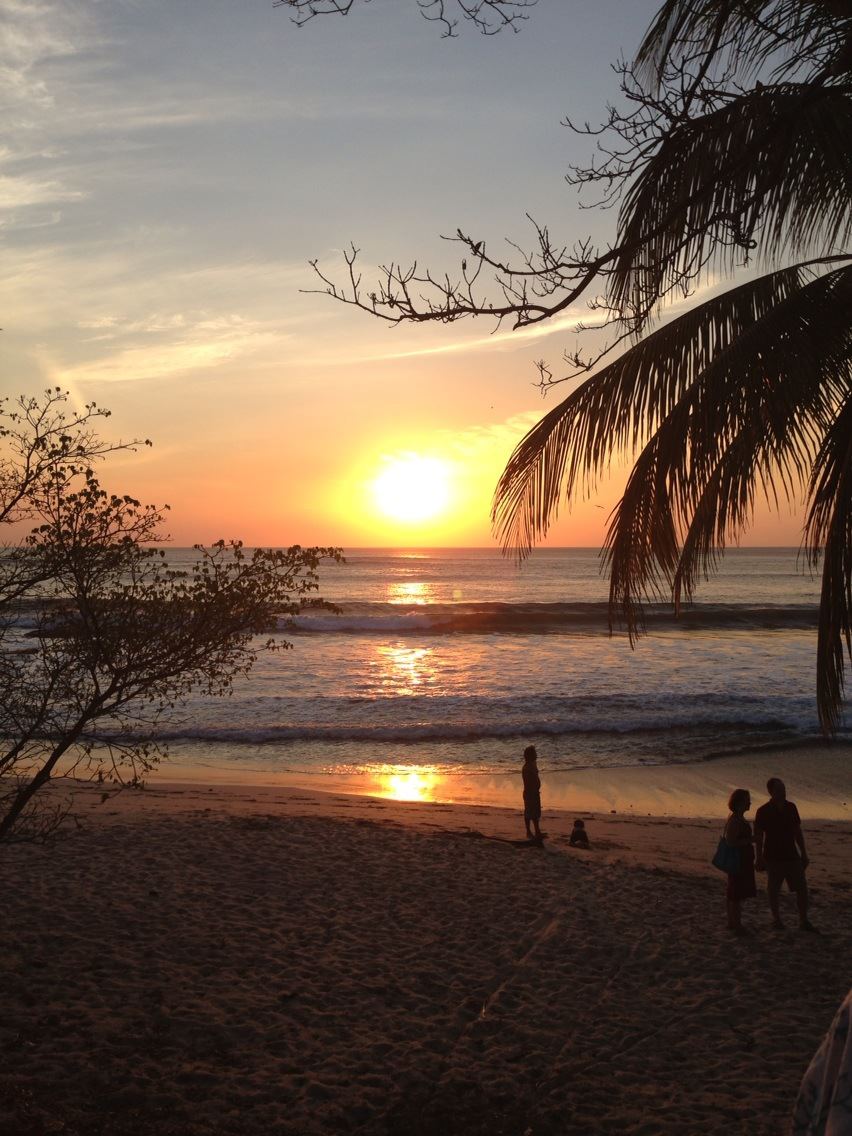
802	904
773	888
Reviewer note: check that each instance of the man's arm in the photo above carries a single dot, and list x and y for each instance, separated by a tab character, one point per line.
799	838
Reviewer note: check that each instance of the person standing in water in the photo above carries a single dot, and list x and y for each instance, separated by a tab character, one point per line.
532	793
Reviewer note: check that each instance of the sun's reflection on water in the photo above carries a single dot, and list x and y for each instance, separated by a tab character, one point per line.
404	669
410	592
403	783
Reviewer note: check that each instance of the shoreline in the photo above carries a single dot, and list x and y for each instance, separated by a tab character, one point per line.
819	778
677	845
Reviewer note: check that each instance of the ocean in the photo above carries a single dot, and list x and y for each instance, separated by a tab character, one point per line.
448	662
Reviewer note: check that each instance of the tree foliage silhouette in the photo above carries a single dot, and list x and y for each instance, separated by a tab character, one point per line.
100	639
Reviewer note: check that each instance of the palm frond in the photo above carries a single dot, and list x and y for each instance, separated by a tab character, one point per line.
769	453
751	422
749	425
745	34
828	533
769	171
619	408
797	374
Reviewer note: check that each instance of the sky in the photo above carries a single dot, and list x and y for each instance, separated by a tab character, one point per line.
169	170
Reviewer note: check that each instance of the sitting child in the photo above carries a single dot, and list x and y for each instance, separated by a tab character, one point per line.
579	836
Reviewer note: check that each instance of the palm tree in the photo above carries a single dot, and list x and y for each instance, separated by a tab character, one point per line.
750	392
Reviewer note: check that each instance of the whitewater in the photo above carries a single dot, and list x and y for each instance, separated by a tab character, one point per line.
453	660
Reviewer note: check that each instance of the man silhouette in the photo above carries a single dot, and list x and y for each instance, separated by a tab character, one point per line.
780	851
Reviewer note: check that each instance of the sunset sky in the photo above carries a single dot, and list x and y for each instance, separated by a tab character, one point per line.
170	168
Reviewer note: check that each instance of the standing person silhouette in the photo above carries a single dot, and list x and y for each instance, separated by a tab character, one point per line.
532	793
781	851
741	884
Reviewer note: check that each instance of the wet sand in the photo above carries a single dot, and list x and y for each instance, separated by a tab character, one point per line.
820	774
208	959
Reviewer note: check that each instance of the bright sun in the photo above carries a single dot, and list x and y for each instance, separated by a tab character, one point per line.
412	488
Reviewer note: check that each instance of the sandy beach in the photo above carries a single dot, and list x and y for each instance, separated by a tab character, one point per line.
821	774
197	959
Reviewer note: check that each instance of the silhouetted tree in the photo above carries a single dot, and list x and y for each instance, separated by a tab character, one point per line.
488	16
731	155
99	637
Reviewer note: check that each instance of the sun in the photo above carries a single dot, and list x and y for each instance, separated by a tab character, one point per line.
412	488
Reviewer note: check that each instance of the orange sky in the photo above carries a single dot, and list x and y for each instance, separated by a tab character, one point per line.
170	170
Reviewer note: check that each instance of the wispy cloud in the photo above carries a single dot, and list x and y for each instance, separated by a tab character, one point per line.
204	345
23	192
500	340
120	312
470	442
36	33
32	32
182	104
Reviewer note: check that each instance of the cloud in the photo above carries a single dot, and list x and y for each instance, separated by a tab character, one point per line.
498	340
23	192
182	104
200	350
32	33
107	99
121	312
472	441
130	283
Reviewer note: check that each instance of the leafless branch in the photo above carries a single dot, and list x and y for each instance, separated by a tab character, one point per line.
488	16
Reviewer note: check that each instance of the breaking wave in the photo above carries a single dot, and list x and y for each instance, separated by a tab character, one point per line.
540	618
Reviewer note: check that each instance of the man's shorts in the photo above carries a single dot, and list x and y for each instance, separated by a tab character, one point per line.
777	871
532	808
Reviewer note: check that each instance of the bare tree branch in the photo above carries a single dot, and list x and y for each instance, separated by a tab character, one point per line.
488	16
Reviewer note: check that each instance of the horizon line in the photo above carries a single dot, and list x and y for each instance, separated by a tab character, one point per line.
468	547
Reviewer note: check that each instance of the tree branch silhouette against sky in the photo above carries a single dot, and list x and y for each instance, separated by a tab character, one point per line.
728	157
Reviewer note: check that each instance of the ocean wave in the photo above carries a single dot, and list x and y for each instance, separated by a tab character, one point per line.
500	618
474	732
541	618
